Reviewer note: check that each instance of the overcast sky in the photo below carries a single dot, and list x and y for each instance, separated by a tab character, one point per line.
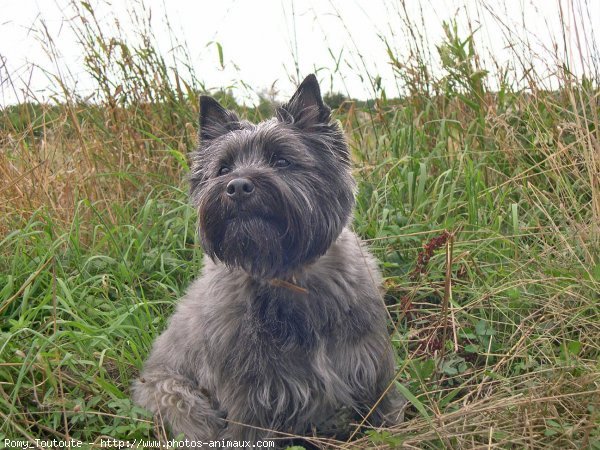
262	40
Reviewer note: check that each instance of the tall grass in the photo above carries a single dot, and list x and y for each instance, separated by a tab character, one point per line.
478	191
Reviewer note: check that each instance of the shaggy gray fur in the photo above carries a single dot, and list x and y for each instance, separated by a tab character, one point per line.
285	331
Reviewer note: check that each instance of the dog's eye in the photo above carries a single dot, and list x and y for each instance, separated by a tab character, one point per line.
281	162
224	170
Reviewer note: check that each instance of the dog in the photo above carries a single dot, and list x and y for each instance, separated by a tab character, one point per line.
284	333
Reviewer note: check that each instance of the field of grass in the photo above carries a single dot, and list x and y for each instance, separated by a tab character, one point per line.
482	204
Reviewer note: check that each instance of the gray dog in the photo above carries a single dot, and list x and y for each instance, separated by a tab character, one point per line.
285	331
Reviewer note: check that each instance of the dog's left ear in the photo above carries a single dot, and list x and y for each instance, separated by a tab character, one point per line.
214	120
306	108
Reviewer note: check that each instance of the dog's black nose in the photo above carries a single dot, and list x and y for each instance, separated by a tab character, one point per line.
239	188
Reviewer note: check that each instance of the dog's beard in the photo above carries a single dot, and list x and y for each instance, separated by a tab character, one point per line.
255	244
250	237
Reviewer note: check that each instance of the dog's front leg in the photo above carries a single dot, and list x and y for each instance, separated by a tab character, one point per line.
176	401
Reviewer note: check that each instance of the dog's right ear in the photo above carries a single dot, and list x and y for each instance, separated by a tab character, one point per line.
215	120
306	108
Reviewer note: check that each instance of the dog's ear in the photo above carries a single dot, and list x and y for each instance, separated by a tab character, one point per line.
215	120
306	108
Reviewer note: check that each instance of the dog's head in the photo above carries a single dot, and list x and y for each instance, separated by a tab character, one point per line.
273	196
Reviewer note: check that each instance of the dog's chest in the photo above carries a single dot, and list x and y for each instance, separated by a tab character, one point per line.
268	356
270	332
275	352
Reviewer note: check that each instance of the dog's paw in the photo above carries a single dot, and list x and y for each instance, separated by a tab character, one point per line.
200	423
395	412
182	406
